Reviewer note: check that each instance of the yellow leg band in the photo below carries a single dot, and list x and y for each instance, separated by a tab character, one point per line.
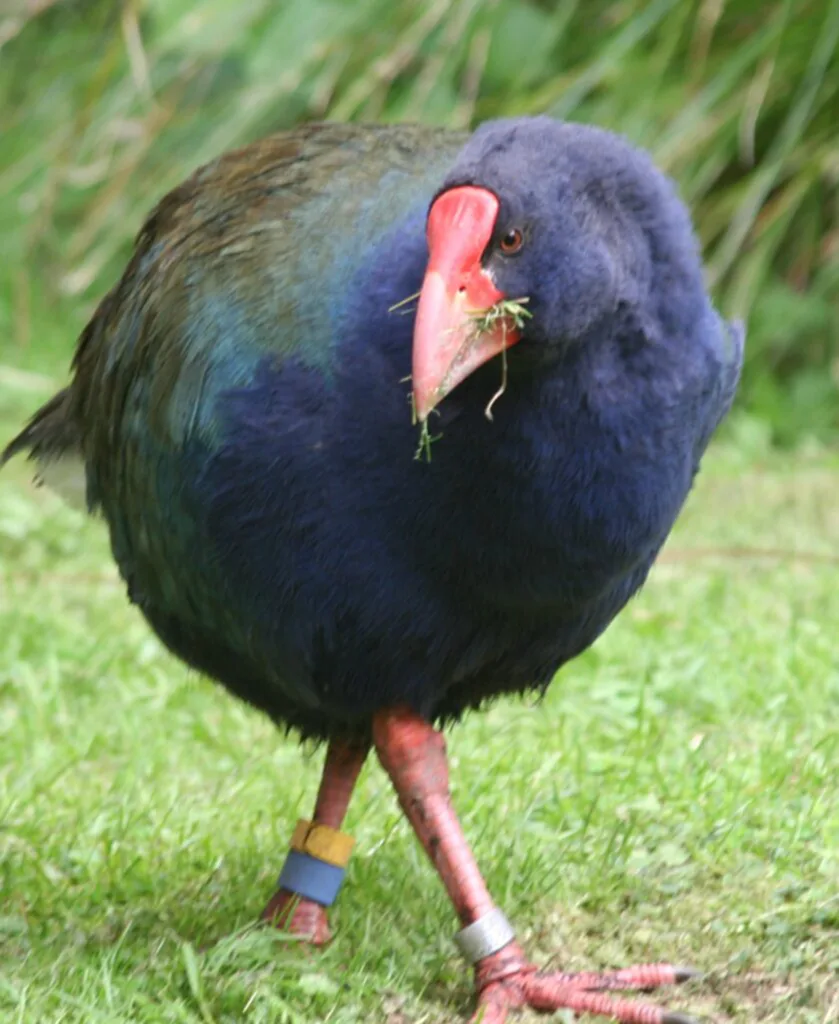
322	842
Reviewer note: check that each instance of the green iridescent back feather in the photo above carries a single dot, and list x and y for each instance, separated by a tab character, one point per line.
226	270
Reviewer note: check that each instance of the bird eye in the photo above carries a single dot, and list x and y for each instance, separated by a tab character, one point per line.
512	242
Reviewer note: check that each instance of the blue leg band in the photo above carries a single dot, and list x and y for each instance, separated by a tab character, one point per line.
311	878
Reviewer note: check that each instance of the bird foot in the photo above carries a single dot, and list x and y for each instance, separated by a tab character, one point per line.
506	982
298	916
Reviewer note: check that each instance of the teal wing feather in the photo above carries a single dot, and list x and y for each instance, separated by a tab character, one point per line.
246	258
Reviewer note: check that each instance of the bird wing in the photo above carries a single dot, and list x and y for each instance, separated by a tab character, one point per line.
249	257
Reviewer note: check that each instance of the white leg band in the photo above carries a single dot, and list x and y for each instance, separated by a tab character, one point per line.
485	936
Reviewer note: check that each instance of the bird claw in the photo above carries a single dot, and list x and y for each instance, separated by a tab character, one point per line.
298	916
642	978
506	986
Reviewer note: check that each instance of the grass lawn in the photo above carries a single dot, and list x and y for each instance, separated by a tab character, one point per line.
674	797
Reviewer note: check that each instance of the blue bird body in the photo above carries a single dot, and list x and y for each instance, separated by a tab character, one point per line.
241	403
240	409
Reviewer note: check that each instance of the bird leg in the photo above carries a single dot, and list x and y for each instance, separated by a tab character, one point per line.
286	909
414	756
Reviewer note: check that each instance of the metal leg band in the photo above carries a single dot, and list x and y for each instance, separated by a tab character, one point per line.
311	878
485	936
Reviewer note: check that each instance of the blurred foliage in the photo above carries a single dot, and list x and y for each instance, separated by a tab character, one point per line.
104	106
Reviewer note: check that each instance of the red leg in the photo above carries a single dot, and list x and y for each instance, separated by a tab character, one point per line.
414	756
287	910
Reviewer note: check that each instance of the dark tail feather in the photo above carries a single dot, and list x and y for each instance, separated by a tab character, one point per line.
49	434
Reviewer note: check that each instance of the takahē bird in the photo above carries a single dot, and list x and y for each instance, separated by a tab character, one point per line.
239	414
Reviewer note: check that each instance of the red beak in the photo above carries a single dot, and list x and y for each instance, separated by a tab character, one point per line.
456	289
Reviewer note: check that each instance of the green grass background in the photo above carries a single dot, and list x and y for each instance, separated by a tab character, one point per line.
675	796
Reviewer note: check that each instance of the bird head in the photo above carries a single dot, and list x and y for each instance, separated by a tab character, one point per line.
569	218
